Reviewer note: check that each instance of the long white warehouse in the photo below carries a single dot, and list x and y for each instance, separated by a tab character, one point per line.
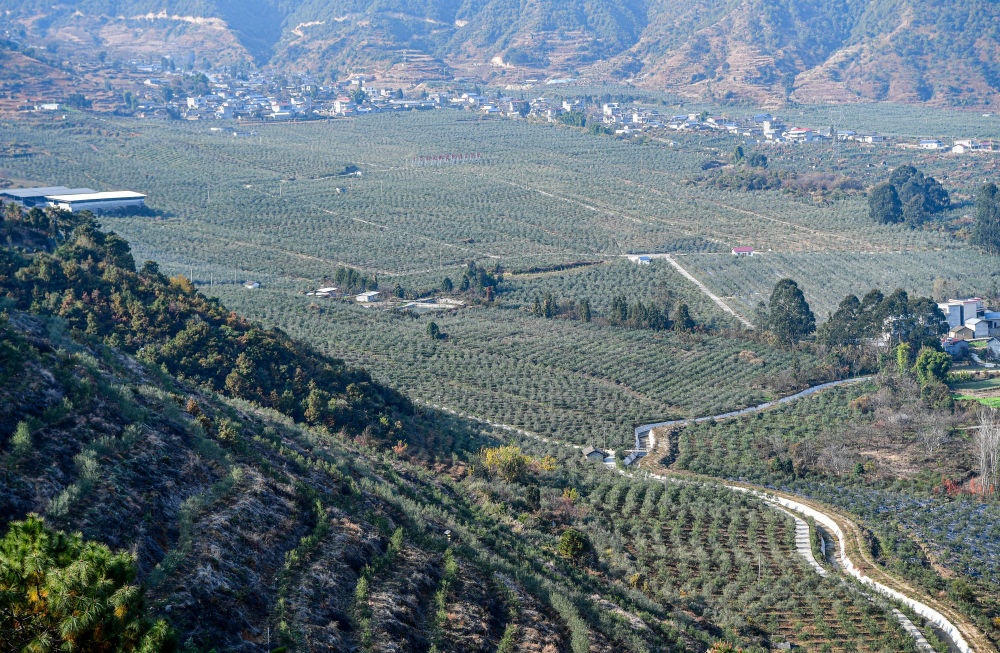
106	201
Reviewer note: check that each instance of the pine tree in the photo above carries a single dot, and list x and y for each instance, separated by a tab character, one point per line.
682	318
58	591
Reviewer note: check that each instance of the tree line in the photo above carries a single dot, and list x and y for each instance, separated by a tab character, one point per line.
630	315
875	318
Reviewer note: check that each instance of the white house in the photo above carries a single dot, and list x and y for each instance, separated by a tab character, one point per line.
931	145
643	260
959	311
366	297
980	328
743	251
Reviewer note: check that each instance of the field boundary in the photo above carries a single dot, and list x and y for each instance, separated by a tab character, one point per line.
711	295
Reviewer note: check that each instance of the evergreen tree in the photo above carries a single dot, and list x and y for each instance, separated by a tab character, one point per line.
883	204
59	592
986	232
585	310
682	318
789	317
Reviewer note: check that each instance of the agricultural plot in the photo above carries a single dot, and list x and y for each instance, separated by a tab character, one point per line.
959	532
578	382
736	559
827	277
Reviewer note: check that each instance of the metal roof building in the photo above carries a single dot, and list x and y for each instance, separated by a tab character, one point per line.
31	197
97	201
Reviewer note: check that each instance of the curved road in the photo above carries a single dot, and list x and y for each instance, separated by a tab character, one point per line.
836	524
641	431
846	531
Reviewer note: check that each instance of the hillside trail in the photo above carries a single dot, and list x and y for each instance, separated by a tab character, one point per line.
854	558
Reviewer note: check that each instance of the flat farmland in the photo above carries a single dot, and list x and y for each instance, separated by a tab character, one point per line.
273	206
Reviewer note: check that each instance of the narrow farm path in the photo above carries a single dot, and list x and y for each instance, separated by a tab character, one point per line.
853	558
711	295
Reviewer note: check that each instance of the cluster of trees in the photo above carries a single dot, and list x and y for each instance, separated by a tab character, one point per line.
908	196
752	160
930	367
350	280
986	232
894	319
49	222
478	279
641	316
898	317
635	315
573	119
60	592
548	306
511	464
91	282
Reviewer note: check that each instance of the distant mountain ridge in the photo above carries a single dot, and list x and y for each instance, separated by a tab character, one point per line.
766	51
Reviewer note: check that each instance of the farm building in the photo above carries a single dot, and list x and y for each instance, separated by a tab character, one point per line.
251	285
980	328
643	260
743	251
326	291
959	311
106	201
370	296
592	453
961	333
32	197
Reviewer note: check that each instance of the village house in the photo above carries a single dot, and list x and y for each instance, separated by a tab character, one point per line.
961	333
743	251
367	297
956	348
592	453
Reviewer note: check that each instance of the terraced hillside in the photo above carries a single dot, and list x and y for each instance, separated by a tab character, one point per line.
767	51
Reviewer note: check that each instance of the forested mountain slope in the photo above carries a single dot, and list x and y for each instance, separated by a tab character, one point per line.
764	50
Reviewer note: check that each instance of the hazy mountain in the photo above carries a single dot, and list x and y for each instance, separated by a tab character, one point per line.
765	50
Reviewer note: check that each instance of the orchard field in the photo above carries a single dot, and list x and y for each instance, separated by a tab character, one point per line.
272	206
